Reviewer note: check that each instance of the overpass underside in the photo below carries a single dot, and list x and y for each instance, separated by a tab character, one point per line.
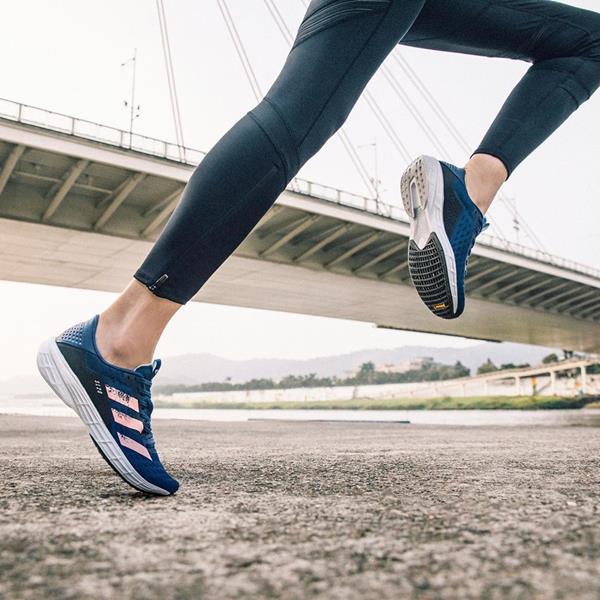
81	213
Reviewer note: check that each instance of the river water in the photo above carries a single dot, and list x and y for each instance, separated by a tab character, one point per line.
52	406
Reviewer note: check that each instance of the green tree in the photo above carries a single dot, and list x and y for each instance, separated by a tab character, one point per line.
460	370
508	366
551	358
487	367
366	373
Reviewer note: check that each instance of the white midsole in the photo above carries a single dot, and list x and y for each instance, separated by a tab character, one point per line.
58	375
430	220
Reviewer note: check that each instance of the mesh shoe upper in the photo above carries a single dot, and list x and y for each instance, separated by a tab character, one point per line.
463	222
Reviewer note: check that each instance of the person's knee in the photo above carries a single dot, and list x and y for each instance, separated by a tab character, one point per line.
590	49
573	33
272	119
587	73
577	61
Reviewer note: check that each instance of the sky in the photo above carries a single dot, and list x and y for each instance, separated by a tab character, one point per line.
66	56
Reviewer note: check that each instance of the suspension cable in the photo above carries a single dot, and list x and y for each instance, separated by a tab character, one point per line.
166	46
429	98
387	126
279	21
357	161
239	48
413	109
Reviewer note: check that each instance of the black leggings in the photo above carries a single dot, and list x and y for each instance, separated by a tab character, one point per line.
338	48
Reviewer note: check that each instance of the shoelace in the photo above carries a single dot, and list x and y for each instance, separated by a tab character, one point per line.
485	225
146	408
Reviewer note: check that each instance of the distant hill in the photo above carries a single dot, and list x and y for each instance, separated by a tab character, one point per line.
199	368
190	369
25	384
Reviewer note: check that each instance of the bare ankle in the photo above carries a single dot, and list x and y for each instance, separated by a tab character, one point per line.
129	330
118	346
485	175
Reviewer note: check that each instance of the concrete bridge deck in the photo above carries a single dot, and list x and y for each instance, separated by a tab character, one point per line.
81	203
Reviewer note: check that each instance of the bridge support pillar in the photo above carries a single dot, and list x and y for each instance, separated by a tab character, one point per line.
518	386
553	383
583	379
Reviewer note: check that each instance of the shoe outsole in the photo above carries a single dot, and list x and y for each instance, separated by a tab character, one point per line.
58	375
431	263
430	277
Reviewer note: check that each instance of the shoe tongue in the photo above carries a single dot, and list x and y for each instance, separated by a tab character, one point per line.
150	370
460	173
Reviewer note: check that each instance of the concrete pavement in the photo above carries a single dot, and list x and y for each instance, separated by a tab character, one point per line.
296	510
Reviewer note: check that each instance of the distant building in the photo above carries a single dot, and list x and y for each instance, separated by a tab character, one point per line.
403	366
411	364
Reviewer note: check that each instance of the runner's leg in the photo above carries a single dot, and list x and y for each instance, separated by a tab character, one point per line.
445	204
563	44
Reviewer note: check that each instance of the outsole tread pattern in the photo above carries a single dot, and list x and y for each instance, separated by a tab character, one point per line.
428	272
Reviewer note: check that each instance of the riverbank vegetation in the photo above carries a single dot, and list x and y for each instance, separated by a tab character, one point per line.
445	403
367	374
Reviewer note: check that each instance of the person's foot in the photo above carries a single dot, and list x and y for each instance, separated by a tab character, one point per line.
444	223
114	403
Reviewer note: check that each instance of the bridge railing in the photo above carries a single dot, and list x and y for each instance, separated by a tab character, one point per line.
89	130
331	194
540	255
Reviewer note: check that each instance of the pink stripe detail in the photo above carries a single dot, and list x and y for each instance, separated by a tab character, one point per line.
123	398
127	421
133	445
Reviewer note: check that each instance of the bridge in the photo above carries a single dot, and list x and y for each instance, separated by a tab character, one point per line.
81	204
549	373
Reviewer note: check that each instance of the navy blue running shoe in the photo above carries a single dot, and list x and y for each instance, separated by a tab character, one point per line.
444	223
114	404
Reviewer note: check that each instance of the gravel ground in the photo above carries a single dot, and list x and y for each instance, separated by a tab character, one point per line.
297	510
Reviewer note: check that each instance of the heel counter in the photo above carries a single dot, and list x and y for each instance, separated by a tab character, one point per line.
73	335
80	335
